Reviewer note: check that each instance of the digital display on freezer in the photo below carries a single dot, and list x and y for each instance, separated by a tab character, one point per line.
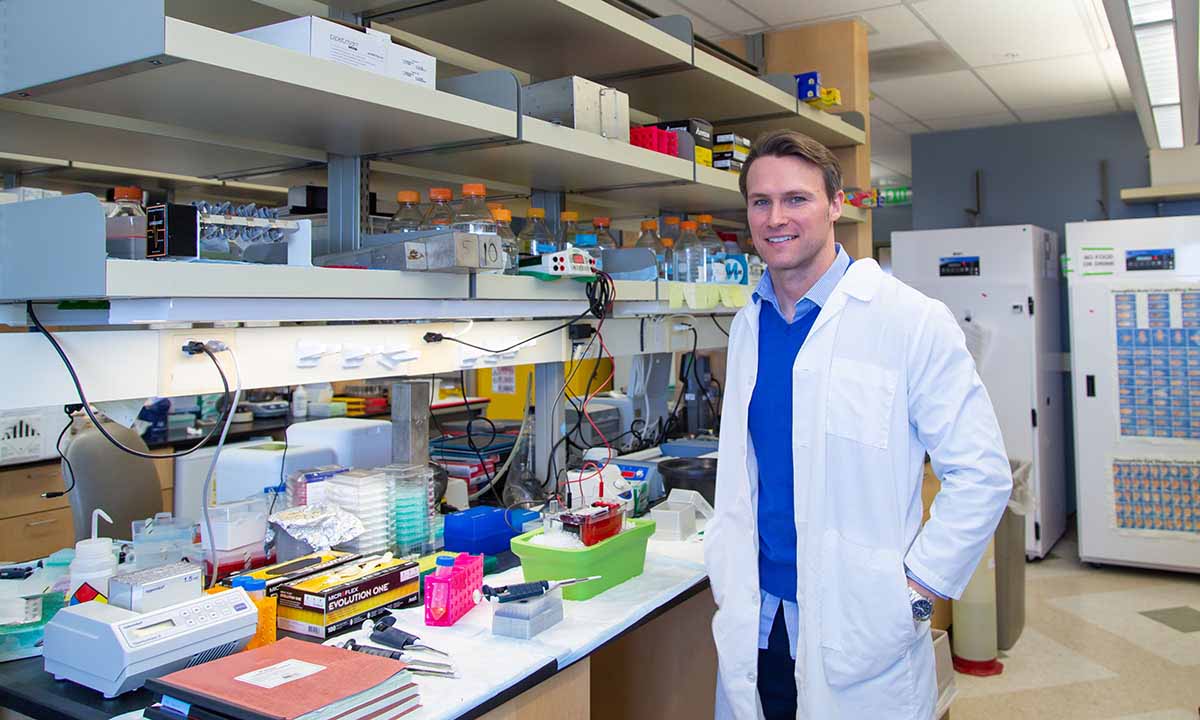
959	265
1163	259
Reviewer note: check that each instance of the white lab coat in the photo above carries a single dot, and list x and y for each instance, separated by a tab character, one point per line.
886	376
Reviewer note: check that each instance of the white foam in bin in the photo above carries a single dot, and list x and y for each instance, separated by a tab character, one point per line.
675	518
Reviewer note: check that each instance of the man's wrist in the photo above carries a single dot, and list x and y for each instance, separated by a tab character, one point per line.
921	590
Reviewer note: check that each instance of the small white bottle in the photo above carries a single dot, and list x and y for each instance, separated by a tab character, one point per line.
93	565
299	402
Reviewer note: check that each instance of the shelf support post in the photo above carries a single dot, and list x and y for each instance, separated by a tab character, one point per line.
547	425
347	198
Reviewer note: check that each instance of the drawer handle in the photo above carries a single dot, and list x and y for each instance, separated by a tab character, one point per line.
37	523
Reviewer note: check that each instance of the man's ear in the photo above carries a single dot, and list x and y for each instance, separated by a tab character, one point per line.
835	206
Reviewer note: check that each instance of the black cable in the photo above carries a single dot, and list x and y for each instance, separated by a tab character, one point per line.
87	408
551	465
713	317
61	454
282	481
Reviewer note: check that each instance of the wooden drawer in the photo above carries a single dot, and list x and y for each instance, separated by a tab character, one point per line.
33	536
21	489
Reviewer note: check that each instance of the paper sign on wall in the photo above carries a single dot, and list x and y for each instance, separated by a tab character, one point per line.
504	381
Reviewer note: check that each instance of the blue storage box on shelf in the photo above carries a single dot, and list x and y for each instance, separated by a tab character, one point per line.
808	85
485	530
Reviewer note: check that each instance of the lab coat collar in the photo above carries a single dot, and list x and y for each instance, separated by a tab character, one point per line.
862	280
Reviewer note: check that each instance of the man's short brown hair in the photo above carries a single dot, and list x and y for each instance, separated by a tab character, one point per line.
789	143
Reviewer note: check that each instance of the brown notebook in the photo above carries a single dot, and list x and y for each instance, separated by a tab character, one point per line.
281	681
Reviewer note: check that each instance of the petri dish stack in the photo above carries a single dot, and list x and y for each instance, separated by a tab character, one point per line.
417	522
369	495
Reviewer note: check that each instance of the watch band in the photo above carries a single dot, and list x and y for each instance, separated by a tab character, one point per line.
922	608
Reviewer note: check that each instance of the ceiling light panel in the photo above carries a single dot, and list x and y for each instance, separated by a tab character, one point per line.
1142	12
1168	123
1156	50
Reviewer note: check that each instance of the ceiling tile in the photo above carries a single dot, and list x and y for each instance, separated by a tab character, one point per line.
888	112
888	140
887	27
897	163
912	128
1049	83
953	94
785	12
1114	70
971	121
723	14
989	32
1067	111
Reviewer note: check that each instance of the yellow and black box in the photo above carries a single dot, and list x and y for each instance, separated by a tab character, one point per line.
339	599
279	574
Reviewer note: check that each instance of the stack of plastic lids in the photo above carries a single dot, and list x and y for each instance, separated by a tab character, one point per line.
370	496
306	487
415	511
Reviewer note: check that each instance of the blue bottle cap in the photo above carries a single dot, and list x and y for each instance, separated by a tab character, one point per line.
445	561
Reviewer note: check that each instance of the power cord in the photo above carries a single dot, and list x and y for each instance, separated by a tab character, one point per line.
191	348
68	409
205	494
713	317
700	386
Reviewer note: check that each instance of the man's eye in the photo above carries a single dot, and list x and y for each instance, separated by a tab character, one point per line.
797	199
760	202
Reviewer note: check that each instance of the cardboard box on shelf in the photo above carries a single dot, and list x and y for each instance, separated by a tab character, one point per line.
351	45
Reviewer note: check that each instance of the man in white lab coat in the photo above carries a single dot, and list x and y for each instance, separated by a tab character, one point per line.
840	378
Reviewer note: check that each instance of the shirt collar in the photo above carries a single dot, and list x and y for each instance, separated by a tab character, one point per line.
819	293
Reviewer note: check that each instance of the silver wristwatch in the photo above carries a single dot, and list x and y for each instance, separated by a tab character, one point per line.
922	608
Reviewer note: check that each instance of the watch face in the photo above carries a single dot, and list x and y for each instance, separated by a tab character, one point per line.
922	609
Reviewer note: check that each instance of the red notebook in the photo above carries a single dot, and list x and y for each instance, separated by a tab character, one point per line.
281	681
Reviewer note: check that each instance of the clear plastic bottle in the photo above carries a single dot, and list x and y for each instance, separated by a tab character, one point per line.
691	257
650	241
568	221
666	269
125	224
604	236
409	217
737	263
535	238
441	213
670	229
508	241
473	214
714	249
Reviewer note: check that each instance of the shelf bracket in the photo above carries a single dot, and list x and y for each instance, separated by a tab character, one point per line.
548	379
678	27
347	176
494	87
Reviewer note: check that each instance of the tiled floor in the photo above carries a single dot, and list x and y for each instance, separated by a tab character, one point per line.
1090	650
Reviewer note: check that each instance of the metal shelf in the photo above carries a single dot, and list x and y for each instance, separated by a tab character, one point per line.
546	38
555	157
174	72
655	62
507	287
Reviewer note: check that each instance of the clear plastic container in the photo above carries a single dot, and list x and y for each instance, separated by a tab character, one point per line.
409	217
670	229
650	240
666	269
508	241
568	229
604	236
473	214
536	239
125	224
691	258
441	212
714	249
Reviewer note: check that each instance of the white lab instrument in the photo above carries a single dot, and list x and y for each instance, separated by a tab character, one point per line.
246	471
1002	284
1134	289
356	442
114	651
677	517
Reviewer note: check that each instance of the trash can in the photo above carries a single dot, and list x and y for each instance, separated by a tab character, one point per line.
1010	559
990	615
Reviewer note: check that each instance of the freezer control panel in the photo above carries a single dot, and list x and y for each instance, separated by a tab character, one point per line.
1163	259
958	265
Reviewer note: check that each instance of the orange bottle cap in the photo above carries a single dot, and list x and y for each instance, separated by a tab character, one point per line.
476	189
127	192
601	221
537	212
408	196
671	220
649	224
444	194
688	225
568	216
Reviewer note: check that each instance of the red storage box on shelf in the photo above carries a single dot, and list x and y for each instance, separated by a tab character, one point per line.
451	595
653	138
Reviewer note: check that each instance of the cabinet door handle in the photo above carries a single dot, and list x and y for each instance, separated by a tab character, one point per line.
38	523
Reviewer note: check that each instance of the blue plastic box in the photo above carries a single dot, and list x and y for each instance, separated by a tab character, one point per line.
485	530
808	85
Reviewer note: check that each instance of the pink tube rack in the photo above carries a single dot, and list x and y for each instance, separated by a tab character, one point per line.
462	590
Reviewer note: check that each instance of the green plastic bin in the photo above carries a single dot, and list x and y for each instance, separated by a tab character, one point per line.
615	560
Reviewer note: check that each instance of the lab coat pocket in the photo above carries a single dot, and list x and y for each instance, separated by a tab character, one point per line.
860	402
866	619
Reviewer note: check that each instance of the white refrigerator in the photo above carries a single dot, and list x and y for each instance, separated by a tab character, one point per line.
1134	290
1002	284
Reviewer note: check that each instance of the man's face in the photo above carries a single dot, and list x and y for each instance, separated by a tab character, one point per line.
791	218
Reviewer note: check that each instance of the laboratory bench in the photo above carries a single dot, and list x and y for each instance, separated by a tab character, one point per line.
642	649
